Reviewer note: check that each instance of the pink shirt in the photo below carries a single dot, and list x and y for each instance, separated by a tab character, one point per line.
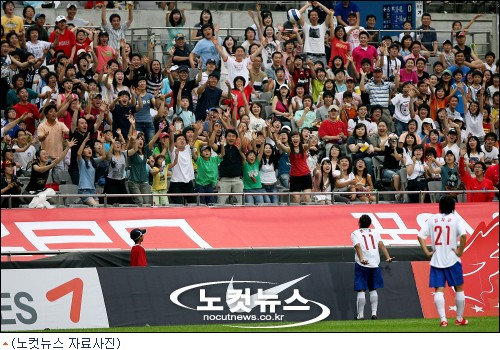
359	53
404	76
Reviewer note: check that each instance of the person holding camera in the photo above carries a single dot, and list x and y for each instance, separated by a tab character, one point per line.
393	155
10	185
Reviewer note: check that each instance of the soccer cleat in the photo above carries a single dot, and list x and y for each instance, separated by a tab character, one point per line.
359	318
443	324
464	322
374	317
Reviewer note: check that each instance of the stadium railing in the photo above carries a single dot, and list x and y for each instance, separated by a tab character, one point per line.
285	198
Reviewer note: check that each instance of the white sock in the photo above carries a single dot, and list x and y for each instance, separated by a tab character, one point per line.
439	301
374	302
360	304
460	304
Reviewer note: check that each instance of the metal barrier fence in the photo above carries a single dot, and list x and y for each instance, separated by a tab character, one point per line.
285	198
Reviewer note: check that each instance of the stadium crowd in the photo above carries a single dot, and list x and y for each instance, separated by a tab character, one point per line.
317	104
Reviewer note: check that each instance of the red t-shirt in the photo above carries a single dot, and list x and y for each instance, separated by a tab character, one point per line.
83	46
329	128
28	108
298	164
493	174
471	183
138	256
67	41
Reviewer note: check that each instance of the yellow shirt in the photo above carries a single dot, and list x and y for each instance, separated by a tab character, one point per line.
159	180
12	24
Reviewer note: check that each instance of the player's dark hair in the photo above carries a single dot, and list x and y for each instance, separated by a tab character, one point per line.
446	205
365	221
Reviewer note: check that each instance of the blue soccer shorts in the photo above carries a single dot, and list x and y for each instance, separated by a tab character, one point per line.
453	275
367	278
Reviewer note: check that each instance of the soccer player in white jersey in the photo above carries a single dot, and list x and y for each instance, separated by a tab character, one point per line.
446	230
367	274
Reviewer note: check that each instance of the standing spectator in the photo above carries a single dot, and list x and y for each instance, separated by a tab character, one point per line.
339	47
479	182
138	182
145	101
115	28
205	48
182	180
364	50
314	33
76	21
10	22
41	167
116	174
446	266
87	166
380	92
24	106
427	35
371	21
353	30
389	60
39	26
180	56
416	172
10	185
66	38
175	21
102	50
205	18
137	253
206	176
333	130
367	273
343	9
51	134
300	175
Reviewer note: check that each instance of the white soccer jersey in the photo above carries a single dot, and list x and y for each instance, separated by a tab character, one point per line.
445	231
368	240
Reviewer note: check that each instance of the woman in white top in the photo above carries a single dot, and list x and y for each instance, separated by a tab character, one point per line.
416	173
346	178
474	154
268	168
474	118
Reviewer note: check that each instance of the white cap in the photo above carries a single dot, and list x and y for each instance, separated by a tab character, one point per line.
60	18
174	68
71	5
79	52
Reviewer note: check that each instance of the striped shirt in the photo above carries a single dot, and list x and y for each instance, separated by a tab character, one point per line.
379	93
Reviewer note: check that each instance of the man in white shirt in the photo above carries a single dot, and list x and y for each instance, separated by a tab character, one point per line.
489	149
352	31
183	173
314	33
367	273
446	230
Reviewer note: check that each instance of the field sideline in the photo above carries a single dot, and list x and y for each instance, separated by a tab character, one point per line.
476	325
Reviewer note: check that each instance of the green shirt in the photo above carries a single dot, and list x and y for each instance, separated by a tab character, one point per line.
251	176
139	171
208	170
12	98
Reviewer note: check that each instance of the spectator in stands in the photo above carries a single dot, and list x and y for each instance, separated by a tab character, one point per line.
393	156
343	9
478	182
361	117
11	22
379	139
251	174
353	30
389	60
39	26
345	179
427	35
371	21
41	168
333	130
18	82
489	149
300	175
364	50
28	14
474	118
470	58
24	150
205	18
138	182
66	39
340	46
359	146
416	173
115	29
182	180
205	49
230	169
380	92
175	21
180	55
10	185
305	117
493	175
87	165
323	181
24	106
314	33
364	182
71	10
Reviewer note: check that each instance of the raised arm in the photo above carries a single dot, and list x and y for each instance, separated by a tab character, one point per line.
82	147
130	16
104	22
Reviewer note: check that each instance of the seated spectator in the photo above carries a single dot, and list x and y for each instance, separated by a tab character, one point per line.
364	182
359	146
346	178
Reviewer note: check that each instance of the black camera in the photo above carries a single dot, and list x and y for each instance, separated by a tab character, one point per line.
18	183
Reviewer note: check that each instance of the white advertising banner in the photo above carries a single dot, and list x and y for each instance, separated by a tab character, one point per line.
52	298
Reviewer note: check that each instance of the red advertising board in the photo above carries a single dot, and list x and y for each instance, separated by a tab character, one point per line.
233	227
